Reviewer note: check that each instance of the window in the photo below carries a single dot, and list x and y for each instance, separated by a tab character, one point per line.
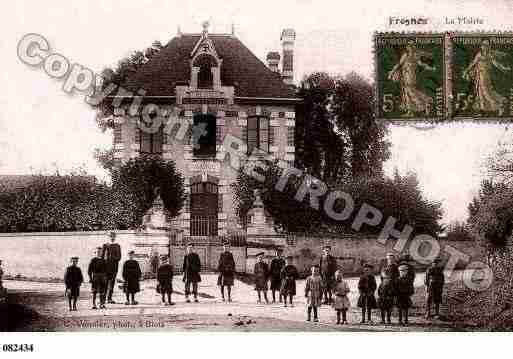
258	134
205	63
151	143
204	136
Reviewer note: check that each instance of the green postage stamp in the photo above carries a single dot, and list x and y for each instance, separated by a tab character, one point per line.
481	75
410	75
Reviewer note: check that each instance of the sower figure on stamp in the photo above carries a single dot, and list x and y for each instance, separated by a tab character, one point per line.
313	294
328	267
73	279
404	293
226	268
261	275
434	282
131	276
112	255
367	287
191	272
289	275
165	278
97	273
277	264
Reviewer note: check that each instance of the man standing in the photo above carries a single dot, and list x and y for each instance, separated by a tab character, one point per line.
226	268
328	266
165	279
131	276
97	272
277	265
434	281
407	261
261	273
112	256
191	272
73	280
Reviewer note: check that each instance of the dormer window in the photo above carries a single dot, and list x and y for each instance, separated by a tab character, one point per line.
205	65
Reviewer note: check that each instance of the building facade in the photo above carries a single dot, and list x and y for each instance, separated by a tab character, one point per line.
215	83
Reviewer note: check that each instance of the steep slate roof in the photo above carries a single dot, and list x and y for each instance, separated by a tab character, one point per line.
240	68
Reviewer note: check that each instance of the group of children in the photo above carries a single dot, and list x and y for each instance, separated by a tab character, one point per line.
395	289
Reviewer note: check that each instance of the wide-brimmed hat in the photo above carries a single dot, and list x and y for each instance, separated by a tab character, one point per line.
368	265
326	246
74	258
259	254
131	252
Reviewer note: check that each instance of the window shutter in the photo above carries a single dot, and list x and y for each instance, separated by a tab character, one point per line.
118	133
145	142
220	202
157	141
137	135
264	133
290	136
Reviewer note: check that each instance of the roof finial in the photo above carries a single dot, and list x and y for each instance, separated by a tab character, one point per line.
205	25
233	29
179	31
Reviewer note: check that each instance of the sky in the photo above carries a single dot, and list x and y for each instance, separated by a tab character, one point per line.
43	129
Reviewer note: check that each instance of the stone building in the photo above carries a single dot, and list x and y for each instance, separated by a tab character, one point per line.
215	81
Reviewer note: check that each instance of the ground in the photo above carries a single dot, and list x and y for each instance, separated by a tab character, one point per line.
45	306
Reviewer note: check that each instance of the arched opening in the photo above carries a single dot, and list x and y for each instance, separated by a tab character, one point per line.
205	63
204	208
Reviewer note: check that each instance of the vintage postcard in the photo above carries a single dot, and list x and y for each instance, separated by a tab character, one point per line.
255	167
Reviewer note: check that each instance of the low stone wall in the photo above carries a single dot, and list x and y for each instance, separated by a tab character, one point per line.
354	250
46	255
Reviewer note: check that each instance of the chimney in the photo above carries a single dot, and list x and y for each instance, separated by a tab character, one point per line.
273	61
288	36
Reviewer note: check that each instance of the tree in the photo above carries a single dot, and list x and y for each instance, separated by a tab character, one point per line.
352	106
117	78
320	150
137	180
279	204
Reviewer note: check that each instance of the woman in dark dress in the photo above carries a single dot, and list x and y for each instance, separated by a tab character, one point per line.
131	275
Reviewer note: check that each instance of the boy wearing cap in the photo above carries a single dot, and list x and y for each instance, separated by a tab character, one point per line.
328	266
367	287
73	280
277	264
97	272
165	279
289	275
261	273
112	256
191	272
434	282
313	293
404	293
226	268
131	275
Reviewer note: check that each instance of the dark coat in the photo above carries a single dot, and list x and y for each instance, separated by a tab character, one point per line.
131	275
261	275
276	267
367	287
328	266
165	278
435	280
404	292
391	271
386	294
112	251
289	275
226	268
73	277
191	268
97	272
